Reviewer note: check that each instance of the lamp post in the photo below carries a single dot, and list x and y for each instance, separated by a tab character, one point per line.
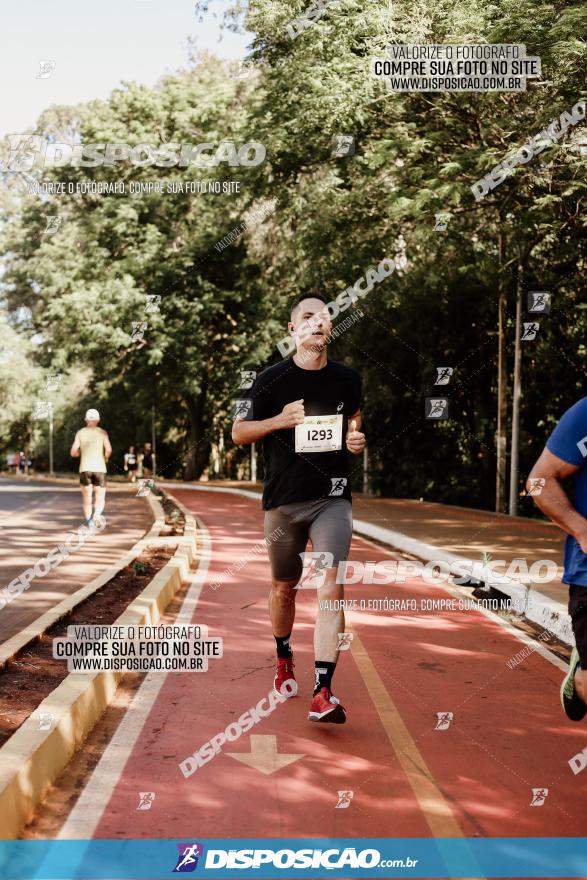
517	394
50	408
153	438
253	463
365	471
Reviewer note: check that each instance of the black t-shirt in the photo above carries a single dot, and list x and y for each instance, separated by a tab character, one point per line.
290	476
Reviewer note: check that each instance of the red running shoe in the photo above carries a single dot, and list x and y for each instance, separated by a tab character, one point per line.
284	672
325	707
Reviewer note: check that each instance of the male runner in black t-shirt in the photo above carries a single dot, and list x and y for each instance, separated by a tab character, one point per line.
306	410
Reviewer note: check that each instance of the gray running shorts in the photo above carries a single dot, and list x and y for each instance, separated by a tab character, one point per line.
327	522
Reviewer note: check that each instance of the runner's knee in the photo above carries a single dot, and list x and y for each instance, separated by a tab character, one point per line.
330	589
284	591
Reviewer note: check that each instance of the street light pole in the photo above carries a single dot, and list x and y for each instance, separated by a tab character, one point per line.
253	463
517	394
365	471
153	446
50	407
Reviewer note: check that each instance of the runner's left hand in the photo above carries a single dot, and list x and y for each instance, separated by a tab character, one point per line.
355	441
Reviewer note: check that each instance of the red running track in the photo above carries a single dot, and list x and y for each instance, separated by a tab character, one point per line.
507	737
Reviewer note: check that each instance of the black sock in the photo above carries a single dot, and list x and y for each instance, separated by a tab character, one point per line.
283	648
323	670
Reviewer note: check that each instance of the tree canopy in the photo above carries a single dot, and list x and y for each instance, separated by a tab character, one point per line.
311	218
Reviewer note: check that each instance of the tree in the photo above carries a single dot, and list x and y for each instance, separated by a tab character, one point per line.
88	283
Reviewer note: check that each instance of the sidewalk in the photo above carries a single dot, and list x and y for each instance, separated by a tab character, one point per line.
431	531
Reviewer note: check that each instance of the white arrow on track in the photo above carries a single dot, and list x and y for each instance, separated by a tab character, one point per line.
264	755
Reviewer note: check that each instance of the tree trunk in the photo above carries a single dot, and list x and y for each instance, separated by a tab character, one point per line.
517	394
502	379
198	453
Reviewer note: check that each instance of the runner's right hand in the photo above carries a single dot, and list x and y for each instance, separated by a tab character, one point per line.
292	414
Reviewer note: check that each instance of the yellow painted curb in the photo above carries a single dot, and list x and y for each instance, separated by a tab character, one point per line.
32	759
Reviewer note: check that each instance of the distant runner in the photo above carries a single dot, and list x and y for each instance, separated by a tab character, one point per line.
131	464
306	410
93	447
147	460
565	456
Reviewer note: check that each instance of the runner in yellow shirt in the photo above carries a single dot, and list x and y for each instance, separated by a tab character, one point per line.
92	447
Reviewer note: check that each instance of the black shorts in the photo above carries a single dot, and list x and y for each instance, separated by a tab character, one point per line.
92	478
578	612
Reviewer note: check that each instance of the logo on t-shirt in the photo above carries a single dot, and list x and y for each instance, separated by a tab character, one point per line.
338	485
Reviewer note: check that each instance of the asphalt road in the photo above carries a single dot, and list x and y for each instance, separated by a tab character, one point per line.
35	516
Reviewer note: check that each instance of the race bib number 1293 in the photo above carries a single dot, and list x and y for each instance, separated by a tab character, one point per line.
319	434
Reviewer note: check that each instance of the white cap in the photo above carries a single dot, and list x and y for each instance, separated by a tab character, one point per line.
92	415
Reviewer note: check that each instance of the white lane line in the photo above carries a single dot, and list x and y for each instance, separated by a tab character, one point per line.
246	493
93	801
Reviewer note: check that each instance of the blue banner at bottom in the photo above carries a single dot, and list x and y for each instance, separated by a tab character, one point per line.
305	858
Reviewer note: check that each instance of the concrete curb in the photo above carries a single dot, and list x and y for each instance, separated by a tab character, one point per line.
32	759
529	602
247	493
70	479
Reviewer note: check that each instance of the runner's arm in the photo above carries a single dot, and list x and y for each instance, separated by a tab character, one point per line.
245	431
75	447
552	498
107	447
249	432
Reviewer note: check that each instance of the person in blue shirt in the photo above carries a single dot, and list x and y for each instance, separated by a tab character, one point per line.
565	456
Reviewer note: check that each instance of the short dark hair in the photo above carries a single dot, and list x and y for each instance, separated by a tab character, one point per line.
302	297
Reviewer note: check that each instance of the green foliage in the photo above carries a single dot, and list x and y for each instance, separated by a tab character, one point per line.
18	380
416	155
